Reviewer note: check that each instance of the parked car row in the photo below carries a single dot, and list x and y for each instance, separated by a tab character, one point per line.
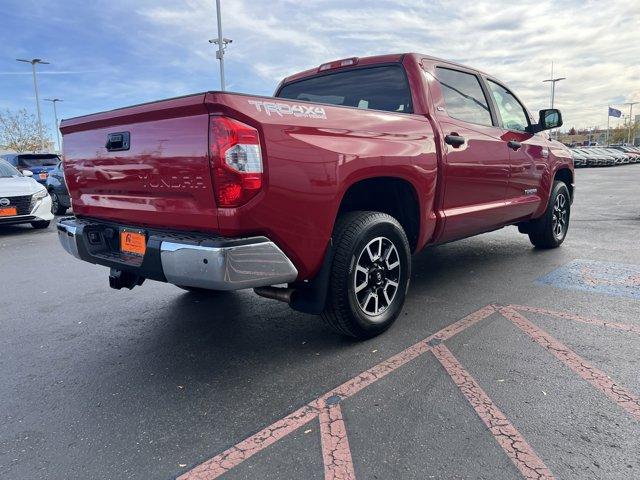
22	198
46	169
605	156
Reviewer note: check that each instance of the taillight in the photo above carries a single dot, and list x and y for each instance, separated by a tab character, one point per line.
236	161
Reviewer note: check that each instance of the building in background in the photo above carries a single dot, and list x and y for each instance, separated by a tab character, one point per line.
583	136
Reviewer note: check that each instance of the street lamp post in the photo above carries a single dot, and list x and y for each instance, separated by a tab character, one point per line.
631	104
55	116
553	87
222	45
33	63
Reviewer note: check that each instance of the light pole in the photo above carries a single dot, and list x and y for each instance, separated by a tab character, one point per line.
553	86
631	104
55	116
33	63
222	45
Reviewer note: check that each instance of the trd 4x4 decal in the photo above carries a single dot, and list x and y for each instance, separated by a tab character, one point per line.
306	111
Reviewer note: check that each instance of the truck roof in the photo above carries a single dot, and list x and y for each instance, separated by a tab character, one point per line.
375	59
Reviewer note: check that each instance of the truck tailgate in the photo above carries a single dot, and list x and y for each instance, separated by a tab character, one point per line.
163	177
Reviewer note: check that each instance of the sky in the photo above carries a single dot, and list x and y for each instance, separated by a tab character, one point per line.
109	54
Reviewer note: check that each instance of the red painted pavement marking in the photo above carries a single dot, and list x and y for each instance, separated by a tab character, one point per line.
577	318
336	454
507	436
595	377
366	378
237	454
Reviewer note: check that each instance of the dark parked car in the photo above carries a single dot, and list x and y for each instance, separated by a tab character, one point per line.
57	187
592	160
579	159
38	163
597	157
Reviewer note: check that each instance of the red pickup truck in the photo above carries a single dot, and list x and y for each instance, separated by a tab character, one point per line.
317	196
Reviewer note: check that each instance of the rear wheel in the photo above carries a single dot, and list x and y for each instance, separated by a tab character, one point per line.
369	274
40	224
550	230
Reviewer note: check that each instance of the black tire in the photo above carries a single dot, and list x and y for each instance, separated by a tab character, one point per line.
550	230
353	233
41	224
56	207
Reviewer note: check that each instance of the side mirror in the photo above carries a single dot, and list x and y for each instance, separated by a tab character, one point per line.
27	173
549	118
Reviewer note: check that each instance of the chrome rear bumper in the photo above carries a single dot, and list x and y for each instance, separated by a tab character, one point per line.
226	268
196	261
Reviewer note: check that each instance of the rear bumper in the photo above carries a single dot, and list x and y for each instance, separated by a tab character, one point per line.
185	259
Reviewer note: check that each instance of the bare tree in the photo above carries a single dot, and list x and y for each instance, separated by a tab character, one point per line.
19	132
620	134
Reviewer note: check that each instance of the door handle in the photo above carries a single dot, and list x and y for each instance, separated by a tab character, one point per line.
513	145
454	140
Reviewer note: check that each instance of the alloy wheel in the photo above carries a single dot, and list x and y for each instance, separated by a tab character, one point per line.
560	216
377	276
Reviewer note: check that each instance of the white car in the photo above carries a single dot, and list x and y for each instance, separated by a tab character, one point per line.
22	199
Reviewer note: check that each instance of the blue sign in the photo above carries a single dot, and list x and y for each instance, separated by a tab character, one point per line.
617	279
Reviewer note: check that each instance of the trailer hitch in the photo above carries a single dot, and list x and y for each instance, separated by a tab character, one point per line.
120	279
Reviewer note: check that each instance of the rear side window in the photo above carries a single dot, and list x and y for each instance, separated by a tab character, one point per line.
377	88
463	96
37	160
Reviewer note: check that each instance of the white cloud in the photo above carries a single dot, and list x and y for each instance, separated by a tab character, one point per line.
158	48
594	44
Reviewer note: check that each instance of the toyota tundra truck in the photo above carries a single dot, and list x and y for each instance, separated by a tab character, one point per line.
319	195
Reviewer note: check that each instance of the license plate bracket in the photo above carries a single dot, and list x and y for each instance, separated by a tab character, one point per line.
8	211
133	241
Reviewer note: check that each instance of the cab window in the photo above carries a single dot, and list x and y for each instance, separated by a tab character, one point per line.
463	96
513	114
378	88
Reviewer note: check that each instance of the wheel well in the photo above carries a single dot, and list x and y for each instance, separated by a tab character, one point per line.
389	195
565	175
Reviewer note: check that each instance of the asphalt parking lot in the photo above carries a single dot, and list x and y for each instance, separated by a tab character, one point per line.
508	362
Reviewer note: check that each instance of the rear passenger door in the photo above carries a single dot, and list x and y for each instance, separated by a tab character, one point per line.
476	159
528	153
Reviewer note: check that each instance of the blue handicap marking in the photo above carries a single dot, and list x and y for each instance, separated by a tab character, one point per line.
618	279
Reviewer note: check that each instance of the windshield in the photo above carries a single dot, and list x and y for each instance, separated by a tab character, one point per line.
37	160
378	88
7	171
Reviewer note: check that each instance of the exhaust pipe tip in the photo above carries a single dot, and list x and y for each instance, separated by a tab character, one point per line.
275	293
